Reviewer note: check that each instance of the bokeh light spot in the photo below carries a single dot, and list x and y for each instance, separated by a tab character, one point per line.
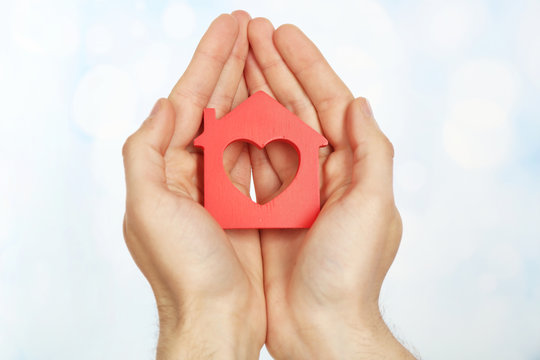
105	102
39	27
478	134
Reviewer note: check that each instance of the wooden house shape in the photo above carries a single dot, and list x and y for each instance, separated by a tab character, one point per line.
260	120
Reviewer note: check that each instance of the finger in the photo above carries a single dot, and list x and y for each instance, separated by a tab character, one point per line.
232	152
284	85
227	86
327	92
372	152
143	151
231	87
240	173
281	157
265	179
245	242
192	92
254	77
241	93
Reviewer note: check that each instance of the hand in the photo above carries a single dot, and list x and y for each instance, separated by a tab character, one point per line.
207	282
322	285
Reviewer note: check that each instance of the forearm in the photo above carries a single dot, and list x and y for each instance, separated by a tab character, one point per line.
197	345
198	337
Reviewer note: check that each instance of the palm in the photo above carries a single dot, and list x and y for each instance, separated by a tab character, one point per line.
302	266
236	253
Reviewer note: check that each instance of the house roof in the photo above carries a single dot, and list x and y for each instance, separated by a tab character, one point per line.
260	117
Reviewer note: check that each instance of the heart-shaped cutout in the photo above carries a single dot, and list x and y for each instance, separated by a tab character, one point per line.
274	168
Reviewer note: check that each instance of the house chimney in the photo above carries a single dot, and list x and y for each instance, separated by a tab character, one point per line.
209	115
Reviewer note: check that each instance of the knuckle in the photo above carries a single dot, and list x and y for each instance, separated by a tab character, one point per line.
384	145
127	148
258	160
242	13
383	204
379	201
362	101
270	63
216	58
388	146
332	168
222	102
298	104
330	102
194	96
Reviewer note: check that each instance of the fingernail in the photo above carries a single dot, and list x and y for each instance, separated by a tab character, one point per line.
156	107
367	109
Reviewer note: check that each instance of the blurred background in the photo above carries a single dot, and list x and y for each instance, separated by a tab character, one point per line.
454	84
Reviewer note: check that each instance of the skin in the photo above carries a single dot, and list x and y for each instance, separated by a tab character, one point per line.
322	285
318	297
207	282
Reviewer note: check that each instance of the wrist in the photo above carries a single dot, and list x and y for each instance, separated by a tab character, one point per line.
340	336
207	334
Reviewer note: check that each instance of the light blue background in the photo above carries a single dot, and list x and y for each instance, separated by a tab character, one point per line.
454	84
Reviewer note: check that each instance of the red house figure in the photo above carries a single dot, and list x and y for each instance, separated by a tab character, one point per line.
260	120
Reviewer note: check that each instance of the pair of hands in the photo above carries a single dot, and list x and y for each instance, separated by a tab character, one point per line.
224	293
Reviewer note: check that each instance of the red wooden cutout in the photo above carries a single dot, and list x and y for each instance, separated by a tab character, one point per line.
260	120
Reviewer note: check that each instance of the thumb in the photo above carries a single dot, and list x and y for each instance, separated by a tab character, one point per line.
143	151
373	153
